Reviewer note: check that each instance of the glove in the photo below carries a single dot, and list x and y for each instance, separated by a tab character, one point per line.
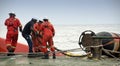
40	35
20	29
53	34
37	33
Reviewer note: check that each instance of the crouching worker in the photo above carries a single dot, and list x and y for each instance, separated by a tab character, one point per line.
37	36
26	33
12	24
48	34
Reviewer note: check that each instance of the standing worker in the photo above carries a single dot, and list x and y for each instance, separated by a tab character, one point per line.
26	33
12	24
48	34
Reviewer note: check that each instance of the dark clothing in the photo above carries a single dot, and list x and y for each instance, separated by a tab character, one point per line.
29	41
26	34
28	28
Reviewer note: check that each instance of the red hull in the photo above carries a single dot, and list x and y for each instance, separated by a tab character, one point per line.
20	47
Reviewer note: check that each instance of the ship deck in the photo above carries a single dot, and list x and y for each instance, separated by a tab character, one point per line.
23	60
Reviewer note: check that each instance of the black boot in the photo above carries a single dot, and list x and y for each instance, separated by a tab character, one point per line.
54	55
31	55
10	54
46	56
10	51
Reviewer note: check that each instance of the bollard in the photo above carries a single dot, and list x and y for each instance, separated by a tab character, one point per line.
96	50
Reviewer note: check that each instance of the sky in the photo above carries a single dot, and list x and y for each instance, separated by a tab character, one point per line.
63	12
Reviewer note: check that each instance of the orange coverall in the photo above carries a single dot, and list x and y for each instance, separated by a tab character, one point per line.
48	33
37	37
12	32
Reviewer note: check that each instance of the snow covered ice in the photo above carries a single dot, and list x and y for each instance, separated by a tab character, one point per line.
67	36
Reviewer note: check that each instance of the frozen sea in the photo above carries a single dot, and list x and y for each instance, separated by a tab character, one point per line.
67	36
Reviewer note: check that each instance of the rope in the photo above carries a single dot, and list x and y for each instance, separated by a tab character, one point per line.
103	46
105	50
108	52
66	53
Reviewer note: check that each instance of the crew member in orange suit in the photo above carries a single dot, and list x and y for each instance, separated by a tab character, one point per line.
12	24
37	36
48	34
